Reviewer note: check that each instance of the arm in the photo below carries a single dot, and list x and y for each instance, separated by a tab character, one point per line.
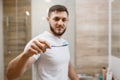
18	66
22	62
72	73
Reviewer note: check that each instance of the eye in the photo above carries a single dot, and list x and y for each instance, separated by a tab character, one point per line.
64	19
56	19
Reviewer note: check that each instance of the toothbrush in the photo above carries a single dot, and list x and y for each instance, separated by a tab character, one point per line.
59	45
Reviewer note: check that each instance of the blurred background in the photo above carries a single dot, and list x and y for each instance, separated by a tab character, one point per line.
87	33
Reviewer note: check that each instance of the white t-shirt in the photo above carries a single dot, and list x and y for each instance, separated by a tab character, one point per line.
53	64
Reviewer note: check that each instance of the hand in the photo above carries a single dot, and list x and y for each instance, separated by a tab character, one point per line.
37	46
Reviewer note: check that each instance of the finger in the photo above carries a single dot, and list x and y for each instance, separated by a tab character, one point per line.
38	44
34	51
46	43
35	47
31	51
41	46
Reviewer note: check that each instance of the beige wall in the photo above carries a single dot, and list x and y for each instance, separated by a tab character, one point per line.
116	28
91	35
39	22
16	31
116	67
116	39
1	42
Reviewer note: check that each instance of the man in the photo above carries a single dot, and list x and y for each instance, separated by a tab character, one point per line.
48	52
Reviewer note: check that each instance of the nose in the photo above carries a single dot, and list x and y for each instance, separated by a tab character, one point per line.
60	22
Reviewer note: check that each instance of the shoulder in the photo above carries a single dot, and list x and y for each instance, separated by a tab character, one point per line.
34	38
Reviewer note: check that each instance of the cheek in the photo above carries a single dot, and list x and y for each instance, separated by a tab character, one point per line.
52	23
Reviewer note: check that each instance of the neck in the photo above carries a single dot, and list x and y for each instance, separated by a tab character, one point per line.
54	34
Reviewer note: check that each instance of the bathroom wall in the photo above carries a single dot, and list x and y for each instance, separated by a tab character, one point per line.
116	67
91	36
116	28
1	42
116	39
16	30
40	24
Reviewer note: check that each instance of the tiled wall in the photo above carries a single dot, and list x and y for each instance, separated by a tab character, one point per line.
116	39
91	36
1	42
116	28
17	30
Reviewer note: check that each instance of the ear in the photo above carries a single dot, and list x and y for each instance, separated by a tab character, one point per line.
48	19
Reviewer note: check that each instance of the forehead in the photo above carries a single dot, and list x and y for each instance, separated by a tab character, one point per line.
61	14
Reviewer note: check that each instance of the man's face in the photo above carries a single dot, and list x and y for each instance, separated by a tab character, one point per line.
58	22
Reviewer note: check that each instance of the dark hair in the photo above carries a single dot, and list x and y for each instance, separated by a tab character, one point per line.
57	8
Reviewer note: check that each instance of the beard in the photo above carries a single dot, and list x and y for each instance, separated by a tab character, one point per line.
57	33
